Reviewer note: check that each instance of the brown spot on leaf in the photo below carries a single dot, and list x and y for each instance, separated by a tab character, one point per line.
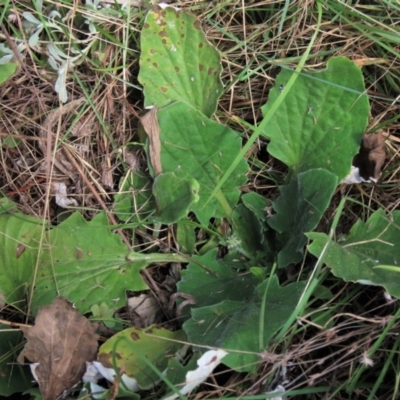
182	35
163	41
164	89
211	70
176	69
60	342
152	51
105	359
155	65
146	25
197	24
371	157
78	253
152	129
20	250
201	67
163	33
201	45
135	336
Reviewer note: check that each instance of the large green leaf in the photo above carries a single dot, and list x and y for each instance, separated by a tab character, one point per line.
299	208
361	255
321	121
209	280
235	325
195	147
177	63
19	238
87	264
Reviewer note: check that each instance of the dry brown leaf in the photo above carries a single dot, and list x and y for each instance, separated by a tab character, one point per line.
107	178
61	342
151	127
145	309
371	157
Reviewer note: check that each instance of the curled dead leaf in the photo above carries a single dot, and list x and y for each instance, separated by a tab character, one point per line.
144	309
60	343
371	157
152	129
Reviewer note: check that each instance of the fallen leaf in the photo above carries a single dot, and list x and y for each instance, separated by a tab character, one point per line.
152	129
144	308
59	344
371	156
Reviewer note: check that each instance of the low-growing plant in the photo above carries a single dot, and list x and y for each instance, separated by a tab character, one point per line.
313	121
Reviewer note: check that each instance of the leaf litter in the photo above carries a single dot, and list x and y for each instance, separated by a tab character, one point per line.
58	346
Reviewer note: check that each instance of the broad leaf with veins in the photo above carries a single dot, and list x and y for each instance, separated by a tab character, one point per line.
322	119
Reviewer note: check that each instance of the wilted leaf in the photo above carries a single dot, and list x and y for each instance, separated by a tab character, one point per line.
177	63
60	342
360	256
195	147
299	208
152	129
322	119
371	156
157	345
144	309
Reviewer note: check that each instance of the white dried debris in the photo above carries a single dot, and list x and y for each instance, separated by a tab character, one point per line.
62	199
145	308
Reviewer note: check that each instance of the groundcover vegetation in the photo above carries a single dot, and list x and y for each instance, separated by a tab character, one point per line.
258	276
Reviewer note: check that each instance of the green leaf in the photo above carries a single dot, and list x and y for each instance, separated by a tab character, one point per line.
299	208
176	372
13	376
321	121
209	280
177	63
256	203
248	229
174	197
156	345
19	238
368	246
234	325
6	71
134	201
185	236
87	264
7	205
195	147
